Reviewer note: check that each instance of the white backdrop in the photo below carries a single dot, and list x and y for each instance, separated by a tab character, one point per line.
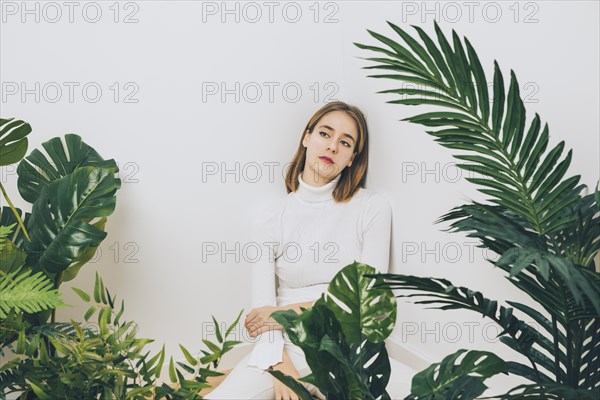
202	105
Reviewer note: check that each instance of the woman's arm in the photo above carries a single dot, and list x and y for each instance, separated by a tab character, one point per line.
296	306
268	348
376	233
259	320
286	366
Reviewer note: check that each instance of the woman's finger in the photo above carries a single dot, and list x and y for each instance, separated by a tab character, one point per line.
250	316
253	330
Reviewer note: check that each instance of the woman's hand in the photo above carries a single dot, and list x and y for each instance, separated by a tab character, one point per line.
282	392
259	321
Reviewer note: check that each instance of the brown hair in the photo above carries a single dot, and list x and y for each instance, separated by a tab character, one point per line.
352	178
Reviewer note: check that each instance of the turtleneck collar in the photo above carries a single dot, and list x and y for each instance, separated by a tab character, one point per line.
314	194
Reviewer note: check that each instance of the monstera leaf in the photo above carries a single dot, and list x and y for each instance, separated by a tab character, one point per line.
59	225
350	298
13	146
71	272
11	257
13	140
9	217
36	170
462	380
343	334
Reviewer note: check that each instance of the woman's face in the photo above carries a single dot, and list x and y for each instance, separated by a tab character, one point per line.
329	148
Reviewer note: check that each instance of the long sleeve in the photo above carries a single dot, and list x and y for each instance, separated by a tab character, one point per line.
376	228
268	350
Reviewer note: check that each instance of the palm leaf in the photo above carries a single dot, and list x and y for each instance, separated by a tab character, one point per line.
27	292
549	392
546	233
465	86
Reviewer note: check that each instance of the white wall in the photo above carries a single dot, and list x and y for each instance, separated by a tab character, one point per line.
168	60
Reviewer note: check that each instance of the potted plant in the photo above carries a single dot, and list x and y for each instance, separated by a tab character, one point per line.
72	191
535	218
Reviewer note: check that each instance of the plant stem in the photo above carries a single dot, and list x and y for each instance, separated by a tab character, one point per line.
12	207
57	281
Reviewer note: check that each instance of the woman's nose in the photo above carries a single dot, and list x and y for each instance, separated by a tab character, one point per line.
333	146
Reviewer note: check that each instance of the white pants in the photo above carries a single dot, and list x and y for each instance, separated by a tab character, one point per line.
245	383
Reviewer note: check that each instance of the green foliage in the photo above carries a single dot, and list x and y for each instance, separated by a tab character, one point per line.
59	222
13	140
453	379
72	191
100	360
535	217
342	336
13	146
27	292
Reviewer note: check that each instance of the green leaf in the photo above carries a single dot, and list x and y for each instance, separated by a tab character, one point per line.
172	373
71	272
547	165
161	360
464	70
498	105
58	227
439	59
537	151
400	50
233	325
212	347
449	58
13	141
89	313
217	330
351	290
191	359
39	392
514	121
27	292
11	257
97	288
530	139
457	379
417	48
36	171
480	82
82	295
298	388
550	182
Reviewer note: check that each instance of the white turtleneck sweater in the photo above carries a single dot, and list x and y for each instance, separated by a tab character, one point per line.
307	238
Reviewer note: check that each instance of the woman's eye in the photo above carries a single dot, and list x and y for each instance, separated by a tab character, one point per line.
323	133
346	143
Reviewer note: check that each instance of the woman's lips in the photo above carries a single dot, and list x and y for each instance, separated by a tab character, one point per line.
326	160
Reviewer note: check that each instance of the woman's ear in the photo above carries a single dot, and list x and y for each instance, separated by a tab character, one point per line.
306	138
352	159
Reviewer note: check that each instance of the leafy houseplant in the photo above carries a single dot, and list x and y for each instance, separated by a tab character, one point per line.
104	360
72	191
342	337
539	222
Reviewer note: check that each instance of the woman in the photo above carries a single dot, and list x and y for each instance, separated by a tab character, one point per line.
327	221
